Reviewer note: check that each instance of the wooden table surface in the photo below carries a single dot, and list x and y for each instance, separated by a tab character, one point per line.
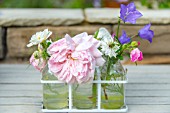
148	90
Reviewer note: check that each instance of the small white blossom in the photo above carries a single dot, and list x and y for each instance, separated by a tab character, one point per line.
108	45
39	37
107	49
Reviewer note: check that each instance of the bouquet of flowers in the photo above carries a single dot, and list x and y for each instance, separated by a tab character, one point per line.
73	59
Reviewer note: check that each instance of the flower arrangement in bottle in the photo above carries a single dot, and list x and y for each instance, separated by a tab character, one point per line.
72	60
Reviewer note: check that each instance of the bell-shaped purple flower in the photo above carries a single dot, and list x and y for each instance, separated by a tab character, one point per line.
124	38
129	13
146	33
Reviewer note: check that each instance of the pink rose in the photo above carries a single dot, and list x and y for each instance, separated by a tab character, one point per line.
39	63
136	55
74	59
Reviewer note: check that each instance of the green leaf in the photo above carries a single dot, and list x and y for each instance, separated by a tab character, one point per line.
96	34
48	44
121	57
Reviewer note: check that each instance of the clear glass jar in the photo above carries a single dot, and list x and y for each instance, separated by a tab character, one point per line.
112	94
55	96
84	96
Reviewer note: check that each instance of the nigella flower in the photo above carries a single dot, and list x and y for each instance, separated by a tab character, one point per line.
146	33
124	38
109	48
129	13
107	43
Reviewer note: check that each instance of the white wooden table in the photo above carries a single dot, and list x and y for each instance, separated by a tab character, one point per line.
148	90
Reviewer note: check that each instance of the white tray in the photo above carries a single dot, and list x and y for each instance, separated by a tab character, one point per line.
124	109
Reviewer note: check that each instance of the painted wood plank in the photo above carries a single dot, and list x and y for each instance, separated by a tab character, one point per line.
21	93
151	81
20	109
148	100
148	75
22	87
21	101
149	93
18	70
149	109
19	74
20	80
148	86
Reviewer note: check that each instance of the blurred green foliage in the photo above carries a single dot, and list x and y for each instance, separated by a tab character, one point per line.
77	3
27	4
161	3
165	4
46	3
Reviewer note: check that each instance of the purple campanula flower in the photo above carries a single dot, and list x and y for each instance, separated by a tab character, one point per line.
129	13
146	33
124	39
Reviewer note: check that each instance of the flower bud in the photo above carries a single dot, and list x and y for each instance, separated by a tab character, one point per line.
113	35
136	55
134	44
138	43
40	48
36	55
124	46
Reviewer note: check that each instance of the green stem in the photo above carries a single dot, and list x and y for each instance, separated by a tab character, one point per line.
108	66
117	33
76	87
105	94
43	43
120	89
107	74
134	36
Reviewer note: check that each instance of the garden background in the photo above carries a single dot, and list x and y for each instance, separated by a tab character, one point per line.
20	19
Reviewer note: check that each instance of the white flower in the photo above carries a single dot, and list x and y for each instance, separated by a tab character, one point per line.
108	45
109	48
39	37
103	35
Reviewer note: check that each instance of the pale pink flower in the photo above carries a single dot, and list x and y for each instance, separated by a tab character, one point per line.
38	63
136	55
73	60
